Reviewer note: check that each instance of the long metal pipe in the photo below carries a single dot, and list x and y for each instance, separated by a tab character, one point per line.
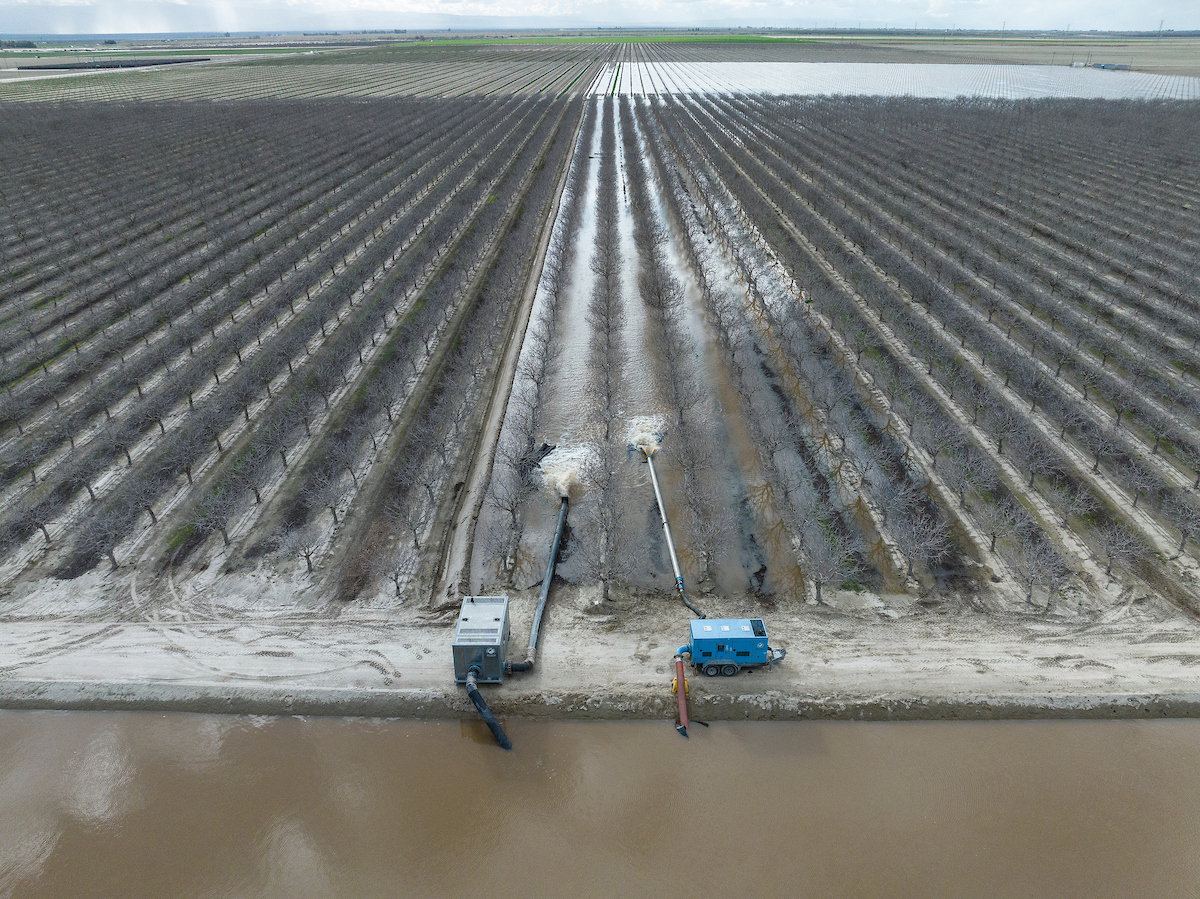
662	511
531	650
549	576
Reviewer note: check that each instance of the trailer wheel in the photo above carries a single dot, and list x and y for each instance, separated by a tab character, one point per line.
711	670
729	670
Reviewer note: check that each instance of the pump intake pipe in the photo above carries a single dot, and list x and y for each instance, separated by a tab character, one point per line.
681	692
488	718
531	650
662	511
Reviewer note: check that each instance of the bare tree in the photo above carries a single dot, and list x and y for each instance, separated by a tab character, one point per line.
827	554
1186	520
604	550
398	565
1003	422
142	494
978	398
77	479
213	513
1077	502
1118	545
922	538
1037	562
1139	479
1160	425
254	470
997	518
1102	445
303	542
1191	456
1036	457
1070	416
103	532
935	434
896	498
407	509
326	489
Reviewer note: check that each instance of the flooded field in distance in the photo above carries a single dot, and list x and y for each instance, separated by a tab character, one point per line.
945	81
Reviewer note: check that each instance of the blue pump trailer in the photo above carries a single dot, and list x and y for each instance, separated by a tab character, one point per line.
727	645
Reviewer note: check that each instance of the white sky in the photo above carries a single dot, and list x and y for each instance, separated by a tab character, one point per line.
130	16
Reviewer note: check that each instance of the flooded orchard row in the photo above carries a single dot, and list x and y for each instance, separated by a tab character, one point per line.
851	399
140	804
696	348
648	349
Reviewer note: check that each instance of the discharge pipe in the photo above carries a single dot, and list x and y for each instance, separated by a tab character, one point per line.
531	650
681	692
648	452
488	718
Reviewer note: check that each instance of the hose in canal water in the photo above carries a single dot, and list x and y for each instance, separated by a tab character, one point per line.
488	718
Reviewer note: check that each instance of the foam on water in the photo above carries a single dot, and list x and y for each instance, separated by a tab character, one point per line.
562	467
647	431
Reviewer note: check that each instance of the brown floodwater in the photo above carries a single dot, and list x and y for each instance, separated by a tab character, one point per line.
143	804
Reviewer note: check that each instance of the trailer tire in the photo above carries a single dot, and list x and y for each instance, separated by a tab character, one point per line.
729	670
711	670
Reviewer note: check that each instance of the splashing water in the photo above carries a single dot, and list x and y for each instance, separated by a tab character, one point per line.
646	432
561	468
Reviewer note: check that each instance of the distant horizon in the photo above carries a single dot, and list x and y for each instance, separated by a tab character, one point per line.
78	18
633	29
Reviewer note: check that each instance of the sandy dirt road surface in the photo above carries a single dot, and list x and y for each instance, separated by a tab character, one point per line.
865	656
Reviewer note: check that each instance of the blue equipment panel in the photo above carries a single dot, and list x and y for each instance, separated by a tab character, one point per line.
742	641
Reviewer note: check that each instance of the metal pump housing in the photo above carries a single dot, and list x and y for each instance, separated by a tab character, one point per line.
481	639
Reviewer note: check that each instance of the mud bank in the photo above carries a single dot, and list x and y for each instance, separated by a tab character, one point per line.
264	699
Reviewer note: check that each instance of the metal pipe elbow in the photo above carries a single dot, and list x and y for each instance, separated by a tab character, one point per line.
518	667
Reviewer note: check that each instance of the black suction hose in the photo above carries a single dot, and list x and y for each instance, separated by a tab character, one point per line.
488	718
531	650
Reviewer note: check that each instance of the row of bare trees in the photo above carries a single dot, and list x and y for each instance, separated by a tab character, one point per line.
707	525
250	363
386	70
604	545
909	272
864	483
515	479
322	325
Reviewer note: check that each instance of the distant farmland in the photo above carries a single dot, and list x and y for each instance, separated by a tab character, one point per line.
944	349
536	70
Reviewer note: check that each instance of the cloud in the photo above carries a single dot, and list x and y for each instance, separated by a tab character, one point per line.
132	16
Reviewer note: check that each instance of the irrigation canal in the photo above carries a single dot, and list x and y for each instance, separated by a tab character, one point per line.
144	804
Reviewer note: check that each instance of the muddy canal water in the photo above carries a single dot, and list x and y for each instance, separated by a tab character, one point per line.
140	804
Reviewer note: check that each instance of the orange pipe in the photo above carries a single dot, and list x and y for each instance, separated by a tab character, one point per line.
681	695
